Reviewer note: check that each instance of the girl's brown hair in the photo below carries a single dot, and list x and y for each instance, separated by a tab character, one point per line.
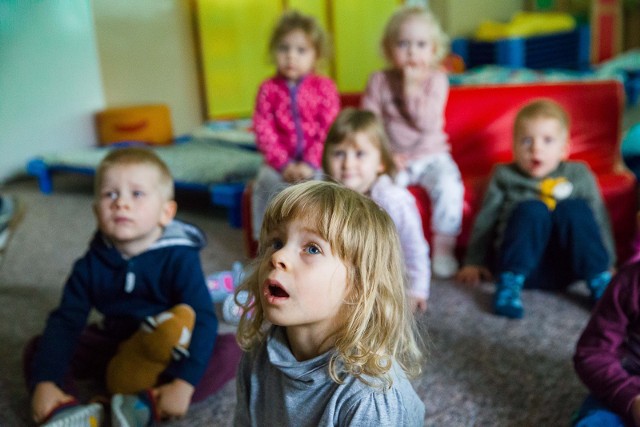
294	20
351	121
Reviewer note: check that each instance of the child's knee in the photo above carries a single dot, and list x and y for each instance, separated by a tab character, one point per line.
530	210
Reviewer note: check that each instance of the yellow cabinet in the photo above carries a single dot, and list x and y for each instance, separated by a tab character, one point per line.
234	34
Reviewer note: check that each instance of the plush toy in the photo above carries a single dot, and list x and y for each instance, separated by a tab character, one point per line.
141	358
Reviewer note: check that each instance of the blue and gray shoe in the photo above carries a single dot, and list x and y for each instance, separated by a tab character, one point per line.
598	284
507	301
77	416
129	410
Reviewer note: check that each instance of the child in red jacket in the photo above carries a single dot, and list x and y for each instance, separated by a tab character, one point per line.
293	111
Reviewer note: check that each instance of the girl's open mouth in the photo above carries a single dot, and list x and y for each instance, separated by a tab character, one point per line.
276	291
273	291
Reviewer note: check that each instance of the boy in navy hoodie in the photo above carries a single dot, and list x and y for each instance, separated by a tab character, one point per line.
140	262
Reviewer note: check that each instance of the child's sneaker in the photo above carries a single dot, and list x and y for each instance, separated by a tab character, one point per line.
507	301
76	416
598	284
223	283
128	410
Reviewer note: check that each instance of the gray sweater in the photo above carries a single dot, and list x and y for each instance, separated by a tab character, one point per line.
275	389
509	186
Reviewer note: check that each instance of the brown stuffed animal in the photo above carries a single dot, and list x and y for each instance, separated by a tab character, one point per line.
141	358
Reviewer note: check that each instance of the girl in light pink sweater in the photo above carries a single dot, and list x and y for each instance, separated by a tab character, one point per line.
410	98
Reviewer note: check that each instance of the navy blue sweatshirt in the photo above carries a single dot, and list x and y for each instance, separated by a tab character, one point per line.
125	291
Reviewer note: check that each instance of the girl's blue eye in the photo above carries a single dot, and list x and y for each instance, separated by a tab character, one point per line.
402	43
112	195
276	244
313	250
526	141
138	194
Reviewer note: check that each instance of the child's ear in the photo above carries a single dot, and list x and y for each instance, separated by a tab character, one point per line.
169	210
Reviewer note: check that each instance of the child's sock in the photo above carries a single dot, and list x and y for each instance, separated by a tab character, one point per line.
444	263
598	284
75	415
507	301
128	410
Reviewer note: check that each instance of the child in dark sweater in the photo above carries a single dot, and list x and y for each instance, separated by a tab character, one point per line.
140	262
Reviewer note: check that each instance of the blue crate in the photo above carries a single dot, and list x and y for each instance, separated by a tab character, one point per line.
632	86
567	50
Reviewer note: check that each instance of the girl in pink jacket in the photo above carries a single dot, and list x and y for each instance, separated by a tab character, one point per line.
293	111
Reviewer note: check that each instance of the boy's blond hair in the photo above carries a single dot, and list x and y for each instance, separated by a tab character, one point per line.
293	20
136	156
392	31
375	325
351	121
545	108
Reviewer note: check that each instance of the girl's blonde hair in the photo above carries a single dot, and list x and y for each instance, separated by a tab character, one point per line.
392	31
542	107
375	326
351	121
293	20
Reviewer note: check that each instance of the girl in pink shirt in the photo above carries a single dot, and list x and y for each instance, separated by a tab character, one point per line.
293	111
410	98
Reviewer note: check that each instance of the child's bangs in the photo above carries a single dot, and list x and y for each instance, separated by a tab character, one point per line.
320	210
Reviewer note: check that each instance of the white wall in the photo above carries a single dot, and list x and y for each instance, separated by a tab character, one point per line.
148	56
50	83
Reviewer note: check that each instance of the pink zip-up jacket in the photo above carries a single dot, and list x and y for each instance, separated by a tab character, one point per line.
426	135
291	122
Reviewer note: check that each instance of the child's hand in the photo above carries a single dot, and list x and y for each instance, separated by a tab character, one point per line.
46	397
401	161
472	274
298	171
414	77
418	305
173	399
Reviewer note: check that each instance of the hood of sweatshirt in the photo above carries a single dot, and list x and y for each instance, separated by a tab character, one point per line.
176	233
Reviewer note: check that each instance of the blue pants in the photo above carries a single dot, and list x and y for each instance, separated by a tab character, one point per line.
594	413
554	248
